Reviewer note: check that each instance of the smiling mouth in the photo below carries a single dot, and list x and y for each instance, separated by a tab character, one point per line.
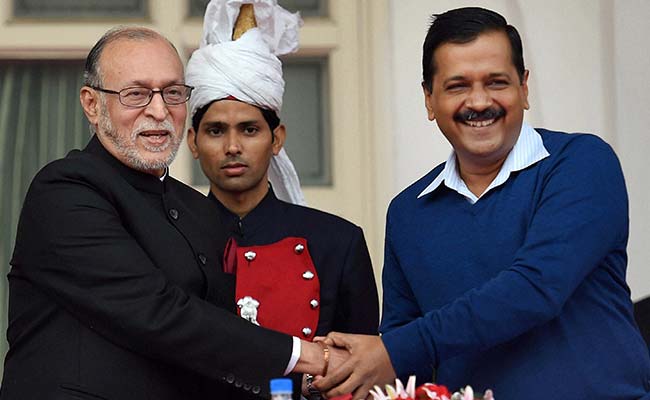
479	119
480	124
154	134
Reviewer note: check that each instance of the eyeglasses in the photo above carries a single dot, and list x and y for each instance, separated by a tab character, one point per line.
141	96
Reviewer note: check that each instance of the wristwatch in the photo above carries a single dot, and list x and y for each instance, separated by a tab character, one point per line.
313	394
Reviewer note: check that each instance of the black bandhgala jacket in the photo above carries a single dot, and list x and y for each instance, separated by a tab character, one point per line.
116	292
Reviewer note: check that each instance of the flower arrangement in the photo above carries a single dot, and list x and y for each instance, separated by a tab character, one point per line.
428	391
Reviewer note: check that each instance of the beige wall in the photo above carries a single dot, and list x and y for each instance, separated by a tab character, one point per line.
589	62
631	58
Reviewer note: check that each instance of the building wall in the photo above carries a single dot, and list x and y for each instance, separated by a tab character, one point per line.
631	58
588	61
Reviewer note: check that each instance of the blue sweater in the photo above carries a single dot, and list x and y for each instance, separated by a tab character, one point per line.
523	292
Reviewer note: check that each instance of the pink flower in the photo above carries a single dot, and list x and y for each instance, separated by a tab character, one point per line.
428	391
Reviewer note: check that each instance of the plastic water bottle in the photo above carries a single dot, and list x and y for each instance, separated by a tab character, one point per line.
281	389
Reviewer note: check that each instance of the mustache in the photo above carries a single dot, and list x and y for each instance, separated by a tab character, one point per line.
471	115
148	125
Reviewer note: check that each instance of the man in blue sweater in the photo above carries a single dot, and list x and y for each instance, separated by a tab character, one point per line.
505	265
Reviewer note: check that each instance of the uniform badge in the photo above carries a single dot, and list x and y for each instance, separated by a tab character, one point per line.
248	309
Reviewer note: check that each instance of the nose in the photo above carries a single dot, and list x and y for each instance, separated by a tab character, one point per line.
232	143
478	99
157	109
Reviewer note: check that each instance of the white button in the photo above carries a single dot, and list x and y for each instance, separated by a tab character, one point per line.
299	248
308	275
250	255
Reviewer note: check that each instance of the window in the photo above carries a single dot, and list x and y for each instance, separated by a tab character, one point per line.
306	116
40	120
80	8
307	8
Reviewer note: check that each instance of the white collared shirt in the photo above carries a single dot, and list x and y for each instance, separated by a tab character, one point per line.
528	150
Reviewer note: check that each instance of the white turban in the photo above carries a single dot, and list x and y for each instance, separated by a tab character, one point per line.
247	69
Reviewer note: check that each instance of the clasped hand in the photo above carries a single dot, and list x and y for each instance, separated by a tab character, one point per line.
356	364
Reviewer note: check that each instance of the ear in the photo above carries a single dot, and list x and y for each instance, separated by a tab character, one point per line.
191	143
428	102
524	88
279	135
90	104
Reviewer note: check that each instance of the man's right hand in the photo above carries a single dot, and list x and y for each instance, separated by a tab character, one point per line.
312	358
367	364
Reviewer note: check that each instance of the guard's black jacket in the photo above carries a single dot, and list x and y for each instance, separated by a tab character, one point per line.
348	294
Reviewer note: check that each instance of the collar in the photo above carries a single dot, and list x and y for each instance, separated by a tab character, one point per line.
139	180
255	219
528	150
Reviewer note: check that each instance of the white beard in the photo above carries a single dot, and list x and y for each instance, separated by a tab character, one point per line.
126	146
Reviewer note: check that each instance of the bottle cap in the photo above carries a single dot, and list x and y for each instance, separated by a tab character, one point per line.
281	385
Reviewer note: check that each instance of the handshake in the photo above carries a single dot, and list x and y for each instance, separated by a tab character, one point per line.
345	364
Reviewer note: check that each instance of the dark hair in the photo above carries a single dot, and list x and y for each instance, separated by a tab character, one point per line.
92	72
270	117
463	25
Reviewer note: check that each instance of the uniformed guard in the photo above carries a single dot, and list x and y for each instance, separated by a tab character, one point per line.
298	270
